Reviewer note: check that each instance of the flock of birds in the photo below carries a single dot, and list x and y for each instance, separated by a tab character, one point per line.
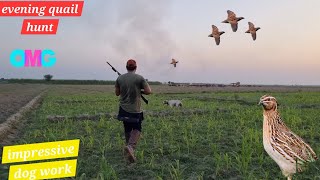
233	20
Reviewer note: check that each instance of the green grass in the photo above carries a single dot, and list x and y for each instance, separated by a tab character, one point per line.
225	143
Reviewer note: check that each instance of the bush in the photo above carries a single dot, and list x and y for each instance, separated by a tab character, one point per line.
48	77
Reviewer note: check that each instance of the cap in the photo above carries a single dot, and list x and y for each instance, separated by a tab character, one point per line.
131	63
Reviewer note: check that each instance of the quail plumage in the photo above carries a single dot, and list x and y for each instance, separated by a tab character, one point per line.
216	34
286	148
233	20
253	30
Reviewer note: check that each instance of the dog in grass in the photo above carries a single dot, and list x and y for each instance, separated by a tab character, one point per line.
173	103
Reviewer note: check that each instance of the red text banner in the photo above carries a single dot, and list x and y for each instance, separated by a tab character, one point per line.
41	8
39	26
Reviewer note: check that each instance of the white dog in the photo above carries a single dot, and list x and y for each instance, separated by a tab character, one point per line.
173	103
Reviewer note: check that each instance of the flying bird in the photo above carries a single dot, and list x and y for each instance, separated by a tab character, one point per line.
253	30
233	20
174	62
216	34
286	148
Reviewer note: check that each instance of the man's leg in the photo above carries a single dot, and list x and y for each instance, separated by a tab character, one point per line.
127	131
133	141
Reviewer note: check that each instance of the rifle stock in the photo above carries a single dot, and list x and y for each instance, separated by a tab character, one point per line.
143	98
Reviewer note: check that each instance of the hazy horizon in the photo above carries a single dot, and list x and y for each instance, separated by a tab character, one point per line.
285	52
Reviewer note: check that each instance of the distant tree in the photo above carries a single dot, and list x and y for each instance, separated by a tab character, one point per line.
48	77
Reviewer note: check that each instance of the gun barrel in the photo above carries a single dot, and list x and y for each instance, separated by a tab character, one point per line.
114	69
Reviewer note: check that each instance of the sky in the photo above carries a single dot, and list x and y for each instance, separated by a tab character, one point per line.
152	32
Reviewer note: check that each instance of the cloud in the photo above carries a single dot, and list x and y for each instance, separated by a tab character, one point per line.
135	30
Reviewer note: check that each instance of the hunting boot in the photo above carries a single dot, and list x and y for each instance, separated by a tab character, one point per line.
133	141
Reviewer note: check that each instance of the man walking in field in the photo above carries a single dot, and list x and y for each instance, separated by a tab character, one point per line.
129	86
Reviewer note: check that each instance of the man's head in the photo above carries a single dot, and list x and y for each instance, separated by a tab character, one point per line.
131	65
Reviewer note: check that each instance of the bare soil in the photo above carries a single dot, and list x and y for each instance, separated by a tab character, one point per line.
15	96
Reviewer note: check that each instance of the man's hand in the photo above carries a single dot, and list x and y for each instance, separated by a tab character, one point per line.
142	92
117	91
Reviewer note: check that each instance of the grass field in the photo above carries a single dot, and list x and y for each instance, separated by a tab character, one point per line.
217	134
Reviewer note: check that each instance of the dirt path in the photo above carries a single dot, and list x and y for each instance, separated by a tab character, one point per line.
15	96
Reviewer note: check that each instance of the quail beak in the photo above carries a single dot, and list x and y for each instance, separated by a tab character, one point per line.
260	103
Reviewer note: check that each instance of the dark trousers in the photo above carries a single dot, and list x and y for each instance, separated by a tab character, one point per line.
129	126
131	121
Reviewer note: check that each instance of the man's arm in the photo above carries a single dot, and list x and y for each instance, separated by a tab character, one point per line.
117	91
146	90
117	88
145	86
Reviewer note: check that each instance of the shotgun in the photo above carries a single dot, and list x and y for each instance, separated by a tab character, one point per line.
114	69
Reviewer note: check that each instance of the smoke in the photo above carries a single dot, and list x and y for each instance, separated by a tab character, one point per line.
134	29
113	29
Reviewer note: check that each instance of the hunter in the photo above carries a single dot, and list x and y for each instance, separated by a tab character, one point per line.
129	87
